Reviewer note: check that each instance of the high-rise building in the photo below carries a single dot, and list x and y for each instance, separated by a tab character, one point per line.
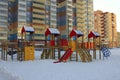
84	17
105	24
65	17
3	19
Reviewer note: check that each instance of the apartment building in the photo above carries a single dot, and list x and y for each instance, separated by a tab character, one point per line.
65	17
84	17
3	19
105	24
41	14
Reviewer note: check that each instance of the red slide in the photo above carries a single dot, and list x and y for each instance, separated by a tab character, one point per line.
65	56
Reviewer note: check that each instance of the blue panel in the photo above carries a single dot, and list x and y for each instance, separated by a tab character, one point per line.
12	37
29	17
74	10
12	17
42	35
74	38
29	4
48	37
12	4
48	8
62	21
64	36
74	21
62	9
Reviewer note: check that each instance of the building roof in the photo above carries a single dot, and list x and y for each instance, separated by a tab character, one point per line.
51	31
76	33
93	34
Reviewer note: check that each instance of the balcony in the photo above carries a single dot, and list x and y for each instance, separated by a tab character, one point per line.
22	8
38	5
22	2
3	3
39	21
53	19
54	10
38	10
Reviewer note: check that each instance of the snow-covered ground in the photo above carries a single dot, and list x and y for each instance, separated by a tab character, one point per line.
107	69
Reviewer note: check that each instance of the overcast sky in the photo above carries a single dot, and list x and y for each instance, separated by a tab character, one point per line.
109	6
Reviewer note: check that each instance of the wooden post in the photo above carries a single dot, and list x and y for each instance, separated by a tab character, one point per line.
45	52
99	47
12	52
59	55
45	40
94	49
4	50
52	48
2	45
70	44
88	48
76	49
82	46
6	47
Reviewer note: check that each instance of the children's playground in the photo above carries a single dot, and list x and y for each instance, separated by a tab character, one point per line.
74	48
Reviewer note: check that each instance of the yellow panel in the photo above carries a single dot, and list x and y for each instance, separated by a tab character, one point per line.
29	53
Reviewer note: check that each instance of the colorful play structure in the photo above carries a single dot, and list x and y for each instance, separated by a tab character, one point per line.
26	44
54	46
73	47
72	50
24	47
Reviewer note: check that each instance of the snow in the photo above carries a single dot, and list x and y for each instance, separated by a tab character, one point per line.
107	69
53	31
78	32
28	29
